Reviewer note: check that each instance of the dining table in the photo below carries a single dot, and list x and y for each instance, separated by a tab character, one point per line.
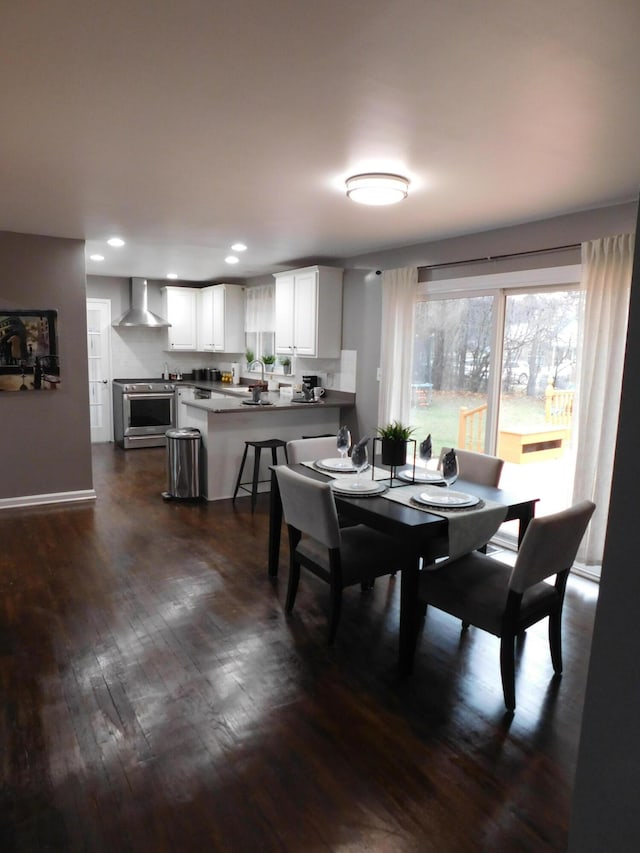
413	526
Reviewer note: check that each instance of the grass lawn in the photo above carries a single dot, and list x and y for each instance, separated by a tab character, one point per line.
440	417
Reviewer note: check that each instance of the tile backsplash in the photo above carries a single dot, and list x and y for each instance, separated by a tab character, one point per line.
138	352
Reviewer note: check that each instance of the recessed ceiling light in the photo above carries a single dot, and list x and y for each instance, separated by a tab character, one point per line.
172	275
239	247
115	241
231	259
97	257
377	188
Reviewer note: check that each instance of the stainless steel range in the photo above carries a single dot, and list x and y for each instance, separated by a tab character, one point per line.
143	410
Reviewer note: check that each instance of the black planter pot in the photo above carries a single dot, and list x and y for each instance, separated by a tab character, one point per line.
394	451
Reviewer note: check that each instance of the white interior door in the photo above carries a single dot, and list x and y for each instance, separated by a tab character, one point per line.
99	350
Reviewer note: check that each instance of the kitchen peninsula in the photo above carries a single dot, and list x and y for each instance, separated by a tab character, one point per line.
226	422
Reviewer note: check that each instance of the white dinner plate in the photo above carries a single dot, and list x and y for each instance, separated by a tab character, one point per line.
343	465
365	488
447	498
421	476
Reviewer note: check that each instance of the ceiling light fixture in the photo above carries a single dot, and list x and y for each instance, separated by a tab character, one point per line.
377	188
231	259
115	241
97	257
172	275
238	247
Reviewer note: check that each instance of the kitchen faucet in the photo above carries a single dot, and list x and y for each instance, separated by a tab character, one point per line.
261	363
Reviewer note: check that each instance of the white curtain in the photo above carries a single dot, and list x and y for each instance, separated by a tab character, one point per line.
606	277
259	308
399	288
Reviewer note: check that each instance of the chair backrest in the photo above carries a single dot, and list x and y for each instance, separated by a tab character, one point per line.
550	545
477	467
310	449
309	506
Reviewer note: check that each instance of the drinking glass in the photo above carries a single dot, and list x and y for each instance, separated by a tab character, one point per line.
359	460
343	441
449	468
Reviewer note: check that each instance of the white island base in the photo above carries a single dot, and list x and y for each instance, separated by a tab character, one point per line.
224	434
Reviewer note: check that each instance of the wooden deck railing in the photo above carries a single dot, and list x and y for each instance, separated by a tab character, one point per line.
558	411
471	424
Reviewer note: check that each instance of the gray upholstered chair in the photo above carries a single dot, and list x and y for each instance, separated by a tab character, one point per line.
477	467
310	449
341	557
505	601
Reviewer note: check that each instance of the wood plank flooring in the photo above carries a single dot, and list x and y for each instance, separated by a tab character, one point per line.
156	698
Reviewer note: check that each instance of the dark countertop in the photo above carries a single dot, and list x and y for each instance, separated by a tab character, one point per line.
234	395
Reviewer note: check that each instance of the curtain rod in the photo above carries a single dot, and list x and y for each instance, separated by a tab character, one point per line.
499	257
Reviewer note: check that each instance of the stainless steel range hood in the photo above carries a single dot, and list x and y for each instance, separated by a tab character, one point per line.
138	314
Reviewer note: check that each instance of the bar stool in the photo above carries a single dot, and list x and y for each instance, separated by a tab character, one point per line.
271	444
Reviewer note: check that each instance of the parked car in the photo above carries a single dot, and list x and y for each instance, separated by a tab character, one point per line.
517	373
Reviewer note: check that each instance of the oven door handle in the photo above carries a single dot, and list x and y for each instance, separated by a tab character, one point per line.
150	396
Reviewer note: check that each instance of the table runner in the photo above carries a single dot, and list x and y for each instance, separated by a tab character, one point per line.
469	528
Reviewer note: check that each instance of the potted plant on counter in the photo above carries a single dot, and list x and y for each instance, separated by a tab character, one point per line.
394	443
285	361
250	356
268	361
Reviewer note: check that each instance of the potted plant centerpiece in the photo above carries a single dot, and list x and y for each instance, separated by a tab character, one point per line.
268	361
394	443
250	356
285	361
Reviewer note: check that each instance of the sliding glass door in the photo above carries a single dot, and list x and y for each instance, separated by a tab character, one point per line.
496	372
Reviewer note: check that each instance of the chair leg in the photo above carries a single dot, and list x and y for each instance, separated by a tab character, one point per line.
256	472
244	456
292	586
555	641
334	614
507	670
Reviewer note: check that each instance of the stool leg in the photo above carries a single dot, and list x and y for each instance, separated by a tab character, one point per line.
244	456
256	471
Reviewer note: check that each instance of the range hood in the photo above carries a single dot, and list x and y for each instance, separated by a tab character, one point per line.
138	314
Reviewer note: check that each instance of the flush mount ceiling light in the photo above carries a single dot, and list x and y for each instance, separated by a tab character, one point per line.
115	241
377	188
97	257
239	247
231	259
172	275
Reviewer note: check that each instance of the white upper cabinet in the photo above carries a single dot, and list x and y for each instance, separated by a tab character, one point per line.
309	312
221	318
179	307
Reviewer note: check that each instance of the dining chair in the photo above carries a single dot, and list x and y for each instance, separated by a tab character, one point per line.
477	467
505	601
341	557
310	449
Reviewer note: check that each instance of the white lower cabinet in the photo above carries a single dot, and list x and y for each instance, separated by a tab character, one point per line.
184	393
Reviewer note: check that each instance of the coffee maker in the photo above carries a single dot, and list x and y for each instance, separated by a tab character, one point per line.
310	381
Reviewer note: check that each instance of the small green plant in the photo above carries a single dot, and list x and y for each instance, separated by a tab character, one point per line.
268	359
285	361
249	355
395	431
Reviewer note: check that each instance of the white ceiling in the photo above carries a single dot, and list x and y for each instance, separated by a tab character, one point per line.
187	125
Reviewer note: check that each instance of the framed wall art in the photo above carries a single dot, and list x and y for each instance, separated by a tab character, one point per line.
29	351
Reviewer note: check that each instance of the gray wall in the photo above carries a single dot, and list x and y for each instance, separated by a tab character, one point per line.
46	443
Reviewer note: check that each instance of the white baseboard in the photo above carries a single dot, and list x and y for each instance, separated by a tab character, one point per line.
39	500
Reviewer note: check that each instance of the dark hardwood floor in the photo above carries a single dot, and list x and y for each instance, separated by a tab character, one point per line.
155	697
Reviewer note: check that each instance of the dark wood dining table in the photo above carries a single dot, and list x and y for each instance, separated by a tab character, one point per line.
414	527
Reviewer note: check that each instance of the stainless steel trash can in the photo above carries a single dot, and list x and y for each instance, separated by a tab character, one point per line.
183	463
